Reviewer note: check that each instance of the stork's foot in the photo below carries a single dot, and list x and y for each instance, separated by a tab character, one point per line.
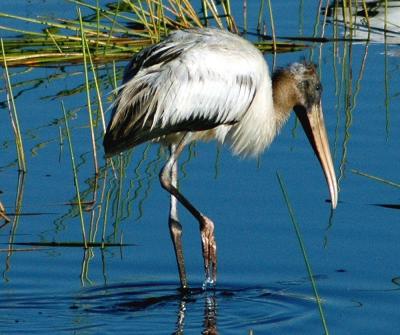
209	247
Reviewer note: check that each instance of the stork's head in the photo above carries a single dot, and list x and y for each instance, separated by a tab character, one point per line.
298	88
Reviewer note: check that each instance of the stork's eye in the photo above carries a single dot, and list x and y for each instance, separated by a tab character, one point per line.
318	87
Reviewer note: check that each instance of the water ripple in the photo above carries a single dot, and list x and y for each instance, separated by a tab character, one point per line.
225	308
160	308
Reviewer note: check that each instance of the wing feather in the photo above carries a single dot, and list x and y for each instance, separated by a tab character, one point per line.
190	82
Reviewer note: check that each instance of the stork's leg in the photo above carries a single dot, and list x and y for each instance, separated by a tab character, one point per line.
209	245
175	228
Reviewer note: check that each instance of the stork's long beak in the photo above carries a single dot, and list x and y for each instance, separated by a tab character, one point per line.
313	124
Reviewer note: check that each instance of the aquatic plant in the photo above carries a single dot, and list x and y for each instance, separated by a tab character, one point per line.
117	31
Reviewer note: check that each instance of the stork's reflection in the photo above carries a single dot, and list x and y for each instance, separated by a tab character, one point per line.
210	313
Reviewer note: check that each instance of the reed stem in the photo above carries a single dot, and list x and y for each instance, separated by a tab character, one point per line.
13	114
96	84
271	17
87	85
260	17
303	251
76	182
245	16
382	180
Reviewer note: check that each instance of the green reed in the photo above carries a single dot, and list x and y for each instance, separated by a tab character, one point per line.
107	204
15	222
113	33
3	214
271	17
367	18
97	87
13	114
245	25
89	104
303	251
74	171
382	180
260	17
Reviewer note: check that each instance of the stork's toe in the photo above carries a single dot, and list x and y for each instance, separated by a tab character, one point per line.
209	247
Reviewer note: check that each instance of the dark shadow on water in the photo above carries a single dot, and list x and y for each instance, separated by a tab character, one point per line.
390	206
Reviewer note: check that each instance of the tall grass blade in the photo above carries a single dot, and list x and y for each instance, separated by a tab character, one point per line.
107	205
112	26
303	251
54	41
117	32
18	210
204	8
245	27
13	114
3	215
87	85
271	17
367	19
382	180
260	17
96	85
78	195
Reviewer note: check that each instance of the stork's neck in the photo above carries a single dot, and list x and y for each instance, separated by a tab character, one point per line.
284	96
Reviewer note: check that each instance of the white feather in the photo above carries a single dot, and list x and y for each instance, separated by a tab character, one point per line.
204	76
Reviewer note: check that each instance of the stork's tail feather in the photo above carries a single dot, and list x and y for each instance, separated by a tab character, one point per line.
114	142
109	145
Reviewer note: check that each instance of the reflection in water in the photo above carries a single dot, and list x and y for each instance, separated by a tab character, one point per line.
328	228
376	21
351	90
191	153
181	318
347	89
210	314
198	311
3	215
88	254
110	195
145	183
14	225
159	308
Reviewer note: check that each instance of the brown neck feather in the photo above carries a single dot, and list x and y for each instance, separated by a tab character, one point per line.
284	96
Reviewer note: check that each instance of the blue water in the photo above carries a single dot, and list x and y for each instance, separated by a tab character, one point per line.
263	284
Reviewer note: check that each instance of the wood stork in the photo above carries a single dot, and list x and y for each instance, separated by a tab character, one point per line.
202	84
